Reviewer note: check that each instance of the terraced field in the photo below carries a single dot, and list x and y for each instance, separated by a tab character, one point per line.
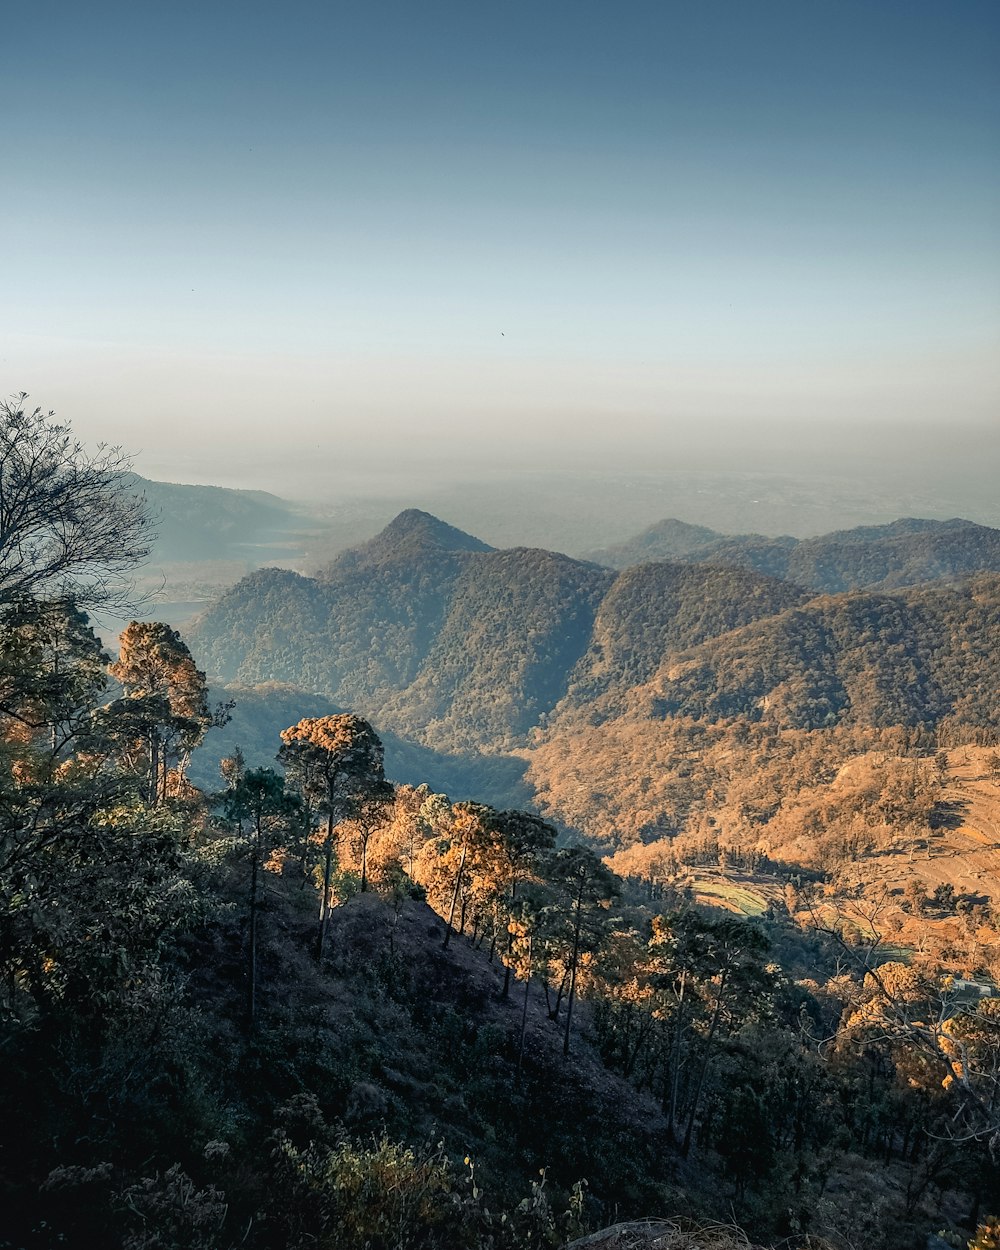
962	850
748	896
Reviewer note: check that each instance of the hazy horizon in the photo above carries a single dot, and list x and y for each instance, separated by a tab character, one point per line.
345	245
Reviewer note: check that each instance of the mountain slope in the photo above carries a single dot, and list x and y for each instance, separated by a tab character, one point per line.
905	552
425	629
518	622
655	609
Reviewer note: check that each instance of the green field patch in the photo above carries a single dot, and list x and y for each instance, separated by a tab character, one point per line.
890	952
740	897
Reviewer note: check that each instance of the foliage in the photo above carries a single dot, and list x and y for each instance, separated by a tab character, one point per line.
69	525
164	714
180	1072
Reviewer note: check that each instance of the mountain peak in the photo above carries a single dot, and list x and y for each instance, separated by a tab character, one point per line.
411	533
413	527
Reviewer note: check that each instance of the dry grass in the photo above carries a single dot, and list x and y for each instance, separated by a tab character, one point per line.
665	1235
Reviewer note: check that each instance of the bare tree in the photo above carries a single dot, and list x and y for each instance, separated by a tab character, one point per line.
70	526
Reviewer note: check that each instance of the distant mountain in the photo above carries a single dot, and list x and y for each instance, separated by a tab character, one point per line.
215	523
425	629
621	703
666	540
906	552
412	534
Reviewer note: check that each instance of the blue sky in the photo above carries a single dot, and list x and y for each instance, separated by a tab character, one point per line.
391	230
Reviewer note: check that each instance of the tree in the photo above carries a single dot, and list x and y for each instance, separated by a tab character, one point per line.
469	822
371	814
702	977
69	524
526	922
166	700
258	797
588	889
518	842
52	669
337	760
926	1022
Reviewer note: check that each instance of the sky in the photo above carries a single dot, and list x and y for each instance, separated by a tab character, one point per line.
270	244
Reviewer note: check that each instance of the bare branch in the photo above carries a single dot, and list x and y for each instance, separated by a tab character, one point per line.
69	523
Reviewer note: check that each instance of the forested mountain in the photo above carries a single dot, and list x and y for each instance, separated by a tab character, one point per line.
903	553
216	523
445	641
432	632
916	658
653	610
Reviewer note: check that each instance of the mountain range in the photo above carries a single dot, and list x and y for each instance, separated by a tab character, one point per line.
903	553
470	655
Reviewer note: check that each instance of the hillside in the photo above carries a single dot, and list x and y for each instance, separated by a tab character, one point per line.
387	627
618	703
905	552
770	707
653	610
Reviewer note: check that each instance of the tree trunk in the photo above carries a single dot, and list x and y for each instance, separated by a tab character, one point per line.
524	1018
324	906
510	941
685	1148
306	834
454	898
154	769
252	952
674	1071
572	971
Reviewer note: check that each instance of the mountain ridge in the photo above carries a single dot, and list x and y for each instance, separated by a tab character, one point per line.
458	646
907	551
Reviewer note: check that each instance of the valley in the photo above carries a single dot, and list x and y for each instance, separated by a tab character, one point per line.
671	712
671	888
